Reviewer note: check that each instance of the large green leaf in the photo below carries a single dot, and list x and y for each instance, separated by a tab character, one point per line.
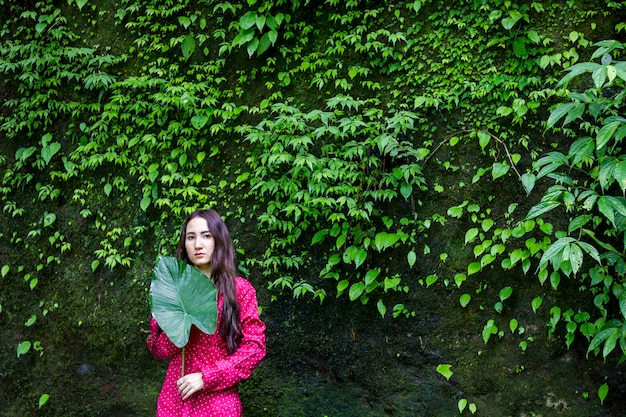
180	296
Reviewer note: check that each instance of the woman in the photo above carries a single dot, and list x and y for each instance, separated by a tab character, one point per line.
216	363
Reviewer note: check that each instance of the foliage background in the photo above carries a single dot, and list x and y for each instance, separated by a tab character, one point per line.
372	161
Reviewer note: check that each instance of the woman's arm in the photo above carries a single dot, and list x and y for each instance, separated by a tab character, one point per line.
159	344
228	371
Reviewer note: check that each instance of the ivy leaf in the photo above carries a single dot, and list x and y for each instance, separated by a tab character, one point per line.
473	268
505	293
188	46
243	38
459	279
381	308
385	240
199	121
489	329
356	290
260	22
264	43
461	405
444	369
22	154
528	181
319	236
391	283
49	219
504	111
483	139
253	45
534	36
471	234
48	151
519	47
371	276
23	348
272	23
145	203
185	21
406	189
359	257
499	169
465	299
31	321
44	397
603	392
412	257
248	20
509	22
341	286
555	278
431	279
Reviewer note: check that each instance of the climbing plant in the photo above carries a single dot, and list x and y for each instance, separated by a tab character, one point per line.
336	131
589	184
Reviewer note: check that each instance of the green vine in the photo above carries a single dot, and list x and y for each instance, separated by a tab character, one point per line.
337	132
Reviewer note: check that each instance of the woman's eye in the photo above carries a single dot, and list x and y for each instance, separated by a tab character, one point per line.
208	236
190	237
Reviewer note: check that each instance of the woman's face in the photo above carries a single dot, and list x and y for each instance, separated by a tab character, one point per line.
199	244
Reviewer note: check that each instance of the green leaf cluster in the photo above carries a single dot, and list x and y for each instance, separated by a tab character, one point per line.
337	137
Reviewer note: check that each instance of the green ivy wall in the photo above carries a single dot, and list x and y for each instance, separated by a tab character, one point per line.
433	216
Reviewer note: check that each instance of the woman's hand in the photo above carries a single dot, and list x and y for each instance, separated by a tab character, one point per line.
190	384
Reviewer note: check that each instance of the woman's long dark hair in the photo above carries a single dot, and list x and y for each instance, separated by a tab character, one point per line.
223	273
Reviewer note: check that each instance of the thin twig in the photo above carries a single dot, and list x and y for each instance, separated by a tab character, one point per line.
462	132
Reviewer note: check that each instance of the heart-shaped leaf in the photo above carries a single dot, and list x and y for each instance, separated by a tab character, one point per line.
198	121
180	296
48	151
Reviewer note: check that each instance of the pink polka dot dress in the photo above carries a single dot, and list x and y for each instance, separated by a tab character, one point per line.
208	354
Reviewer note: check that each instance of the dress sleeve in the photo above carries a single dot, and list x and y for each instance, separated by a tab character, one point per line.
159	344
232	369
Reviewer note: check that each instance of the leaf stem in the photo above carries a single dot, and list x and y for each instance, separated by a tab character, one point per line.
182	367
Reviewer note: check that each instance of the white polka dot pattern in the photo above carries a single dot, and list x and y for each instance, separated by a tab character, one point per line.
208	354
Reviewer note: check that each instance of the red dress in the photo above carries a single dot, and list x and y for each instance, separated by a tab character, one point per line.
208	354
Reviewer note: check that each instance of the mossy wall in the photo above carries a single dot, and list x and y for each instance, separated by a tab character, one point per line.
350	146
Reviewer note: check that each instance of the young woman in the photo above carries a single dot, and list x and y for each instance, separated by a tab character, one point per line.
216	363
